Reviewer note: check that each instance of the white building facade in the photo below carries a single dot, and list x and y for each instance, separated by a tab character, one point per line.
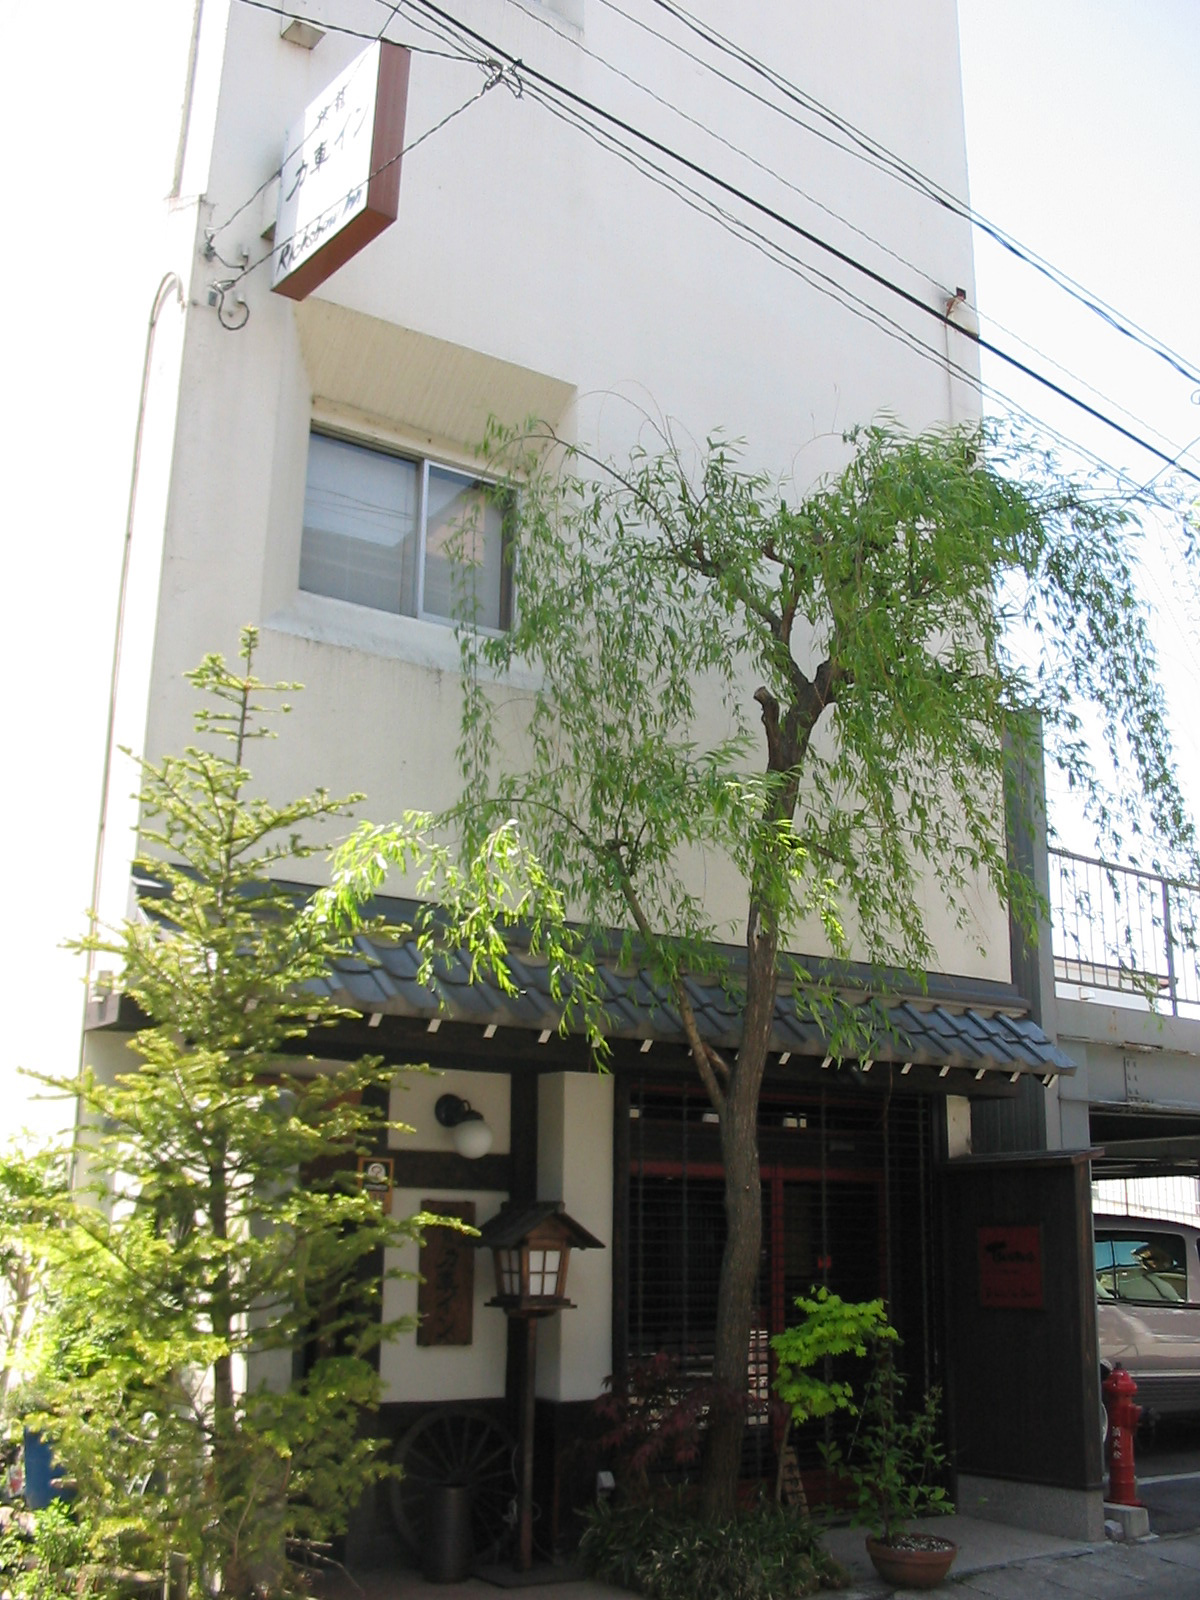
549	261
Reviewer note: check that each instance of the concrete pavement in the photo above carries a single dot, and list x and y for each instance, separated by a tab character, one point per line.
995	1562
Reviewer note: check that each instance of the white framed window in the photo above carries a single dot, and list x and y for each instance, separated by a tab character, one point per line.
403	534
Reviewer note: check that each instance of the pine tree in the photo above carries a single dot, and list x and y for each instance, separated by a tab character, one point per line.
215	1299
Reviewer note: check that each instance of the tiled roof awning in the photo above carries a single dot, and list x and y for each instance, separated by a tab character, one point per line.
987	1030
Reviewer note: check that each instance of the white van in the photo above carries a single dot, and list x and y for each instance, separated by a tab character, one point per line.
1148	1308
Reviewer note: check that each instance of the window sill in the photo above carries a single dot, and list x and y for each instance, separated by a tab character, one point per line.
323	620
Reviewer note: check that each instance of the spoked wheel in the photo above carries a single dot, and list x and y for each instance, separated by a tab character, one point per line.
456	1445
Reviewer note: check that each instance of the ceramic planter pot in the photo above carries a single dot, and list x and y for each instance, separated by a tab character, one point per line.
919	1561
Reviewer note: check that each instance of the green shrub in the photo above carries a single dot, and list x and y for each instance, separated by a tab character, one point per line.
668	1551
44	1554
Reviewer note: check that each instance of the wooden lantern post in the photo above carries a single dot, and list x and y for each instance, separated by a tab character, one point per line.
531	1246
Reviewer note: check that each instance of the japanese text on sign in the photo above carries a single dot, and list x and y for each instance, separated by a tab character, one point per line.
1010	1267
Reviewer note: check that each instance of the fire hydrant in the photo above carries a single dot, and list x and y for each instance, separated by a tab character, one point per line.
1123	1417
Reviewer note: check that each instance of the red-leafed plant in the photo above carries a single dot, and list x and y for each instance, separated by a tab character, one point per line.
653	1420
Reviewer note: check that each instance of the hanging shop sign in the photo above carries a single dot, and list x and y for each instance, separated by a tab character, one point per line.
1010	1267
340	182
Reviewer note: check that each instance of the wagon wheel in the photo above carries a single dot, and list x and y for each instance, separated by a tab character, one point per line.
456	1445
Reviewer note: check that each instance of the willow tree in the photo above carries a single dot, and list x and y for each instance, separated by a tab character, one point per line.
820	689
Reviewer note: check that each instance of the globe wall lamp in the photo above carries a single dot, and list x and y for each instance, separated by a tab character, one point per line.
472	1136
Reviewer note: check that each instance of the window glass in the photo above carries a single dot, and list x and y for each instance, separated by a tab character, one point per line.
464	551
1147	1267
369	530
360	525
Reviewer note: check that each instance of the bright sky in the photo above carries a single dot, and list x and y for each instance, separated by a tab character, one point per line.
1084	143
88	118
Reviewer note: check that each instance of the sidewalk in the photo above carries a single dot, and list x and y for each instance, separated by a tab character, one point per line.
995	1562
998	1562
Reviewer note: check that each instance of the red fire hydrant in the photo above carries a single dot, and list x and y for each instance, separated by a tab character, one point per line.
1123	1417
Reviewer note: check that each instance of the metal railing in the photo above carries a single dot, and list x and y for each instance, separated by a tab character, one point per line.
1124	931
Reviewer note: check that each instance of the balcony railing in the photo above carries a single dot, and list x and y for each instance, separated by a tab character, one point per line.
1125	932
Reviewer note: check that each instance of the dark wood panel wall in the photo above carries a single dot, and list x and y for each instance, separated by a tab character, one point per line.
1023	1389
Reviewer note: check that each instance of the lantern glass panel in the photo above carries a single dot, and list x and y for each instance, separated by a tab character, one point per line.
537	1261
553	1261
508	1263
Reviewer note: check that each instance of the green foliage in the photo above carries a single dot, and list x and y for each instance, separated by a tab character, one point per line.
45	1555
879	607
496	897
669	1551
893	1462
711	678
831	1327
213	1304
31	1182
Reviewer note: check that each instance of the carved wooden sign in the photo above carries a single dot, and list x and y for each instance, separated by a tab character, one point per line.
446	1292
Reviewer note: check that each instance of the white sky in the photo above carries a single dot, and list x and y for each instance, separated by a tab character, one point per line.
1083	133
1084	141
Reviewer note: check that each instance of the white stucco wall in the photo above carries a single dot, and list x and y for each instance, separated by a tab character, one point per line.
575	1165
529	270
443	1372
454	1372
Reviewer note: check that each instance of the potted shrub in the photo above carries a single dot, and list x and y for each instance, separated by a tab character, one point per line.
892	1464
832	1327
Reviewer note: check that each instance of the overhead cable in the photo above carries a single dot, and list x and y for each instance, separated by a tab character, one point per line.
843	257
863	233
867	147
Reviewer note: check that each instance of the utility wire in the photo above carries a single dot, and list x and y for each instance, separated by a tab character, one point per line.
828	286
919	272
857	307
824	284
870	148
820	282
842	256
448	29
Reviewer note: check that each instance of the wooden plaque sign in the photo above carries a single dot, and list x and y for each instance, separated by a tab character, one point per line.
446	1292
1010	1267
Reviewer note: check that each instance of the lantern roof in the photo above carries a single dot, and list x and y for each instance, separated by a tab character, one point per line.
513	1224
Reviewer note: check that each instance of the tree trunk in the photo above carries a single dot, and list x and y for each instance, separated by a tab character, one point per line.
743	1220
232	1573
735	1301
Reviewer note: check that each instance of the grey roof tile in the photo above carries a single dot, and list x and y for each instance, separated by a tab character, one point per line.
382	975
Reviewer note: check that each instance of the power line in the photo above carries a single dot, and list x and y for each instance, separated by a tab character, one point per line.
843	257
446	28
877	152
823	284
838	217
